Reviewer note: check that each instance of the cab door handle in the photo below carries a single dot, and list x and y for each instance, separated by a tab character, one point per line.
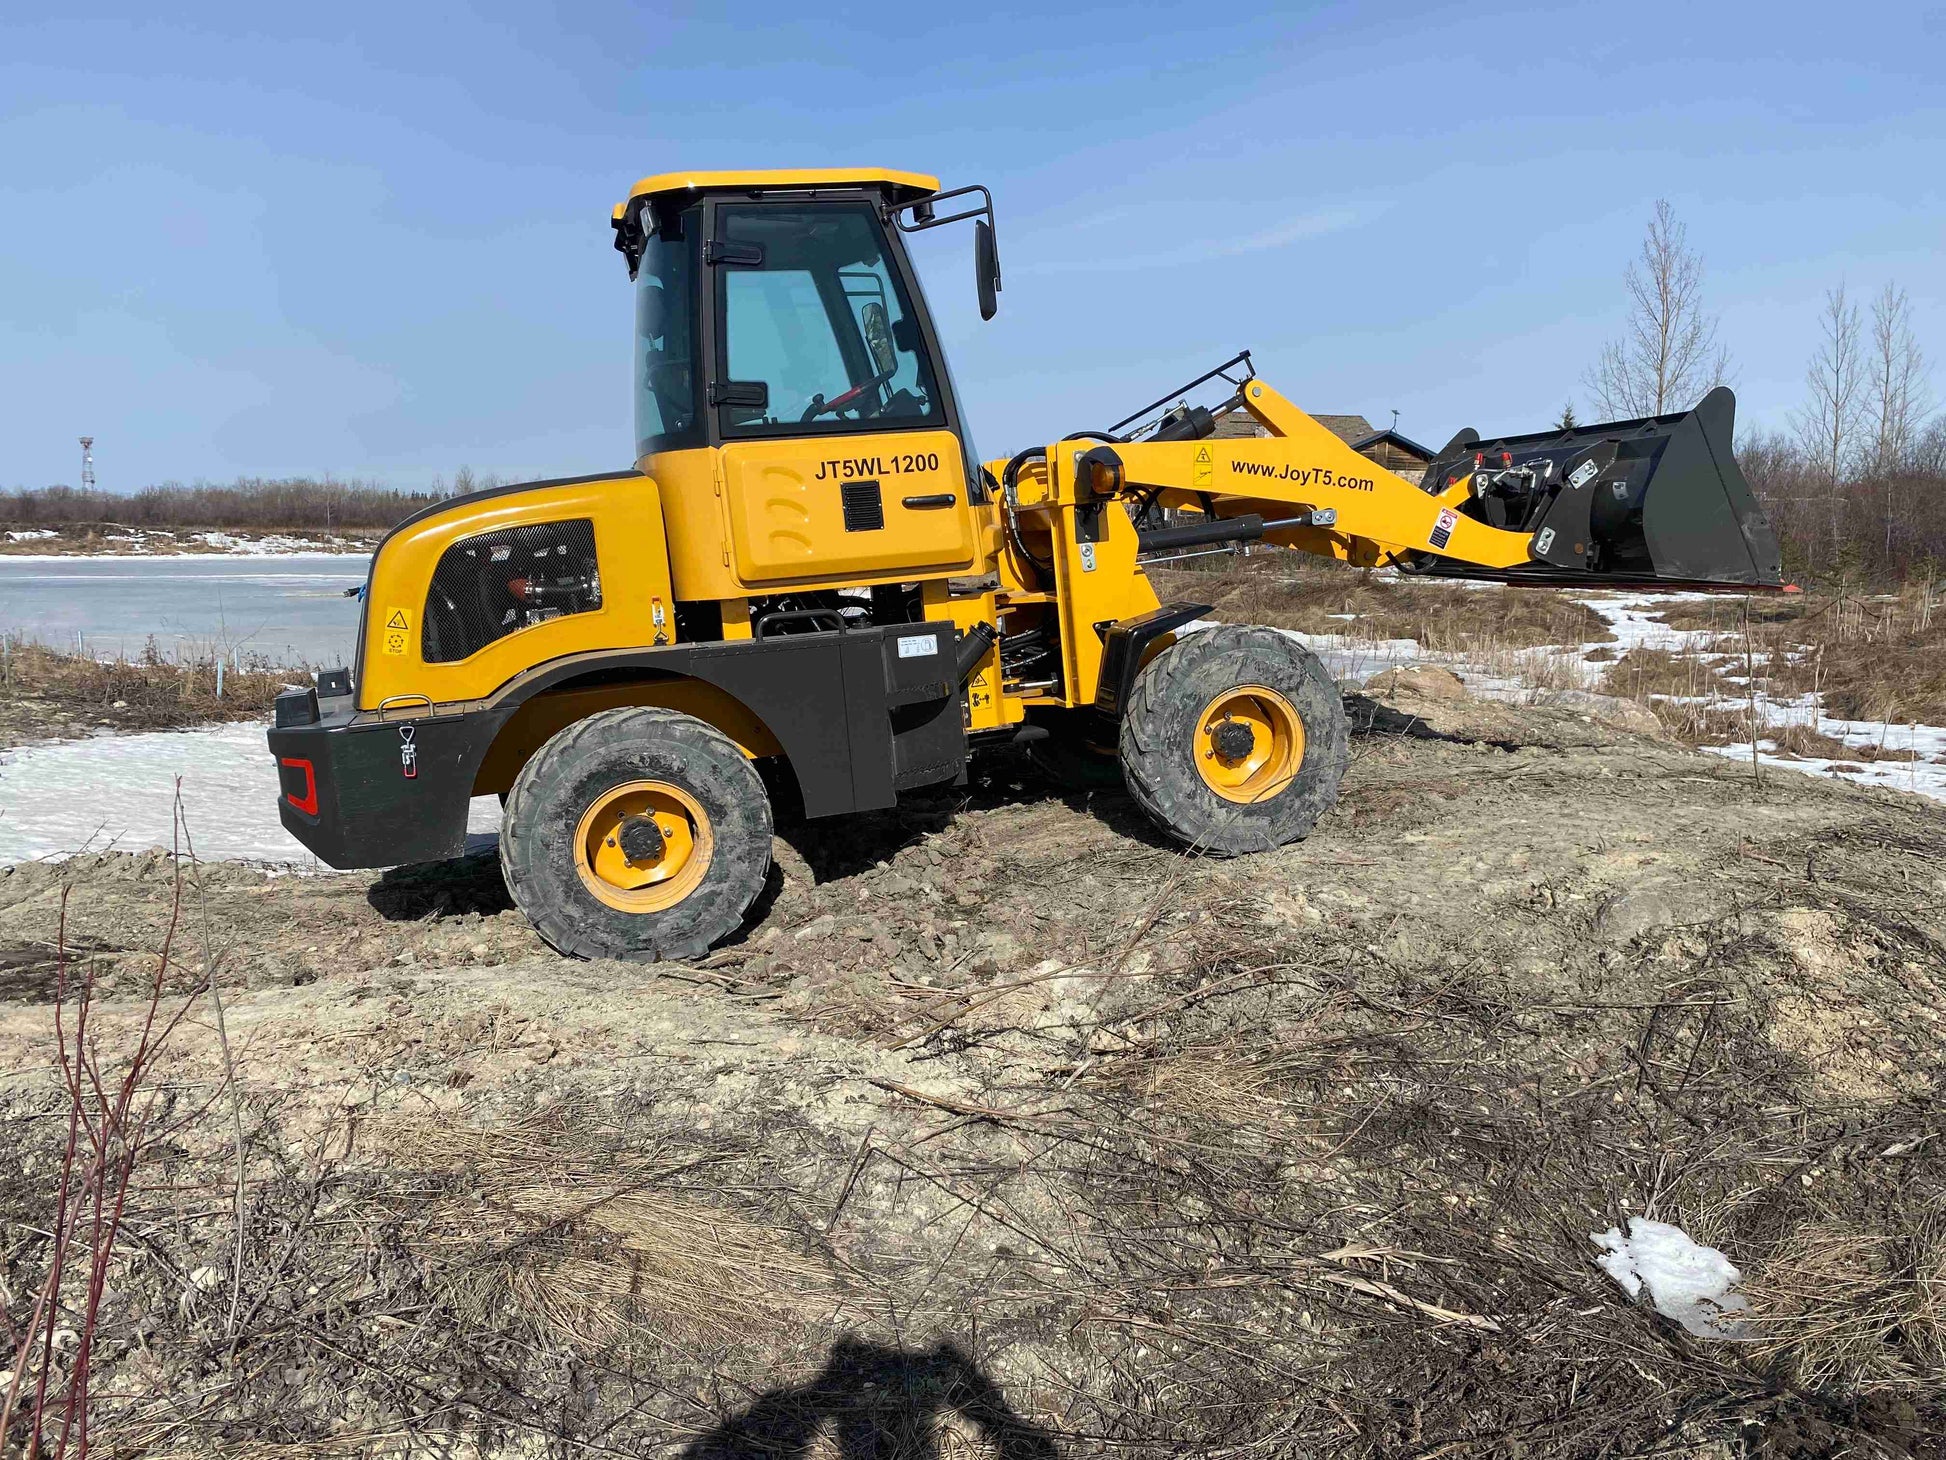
930	499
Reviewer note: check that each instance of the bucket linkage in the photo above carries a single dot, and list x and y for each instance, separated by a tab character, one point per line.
1658	501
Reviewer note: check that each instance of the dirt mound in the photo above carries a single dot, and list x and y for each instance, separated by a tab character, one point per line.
1006	1124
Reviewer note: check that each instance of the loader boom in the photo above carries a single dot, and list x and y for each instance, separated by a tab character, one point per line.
808	570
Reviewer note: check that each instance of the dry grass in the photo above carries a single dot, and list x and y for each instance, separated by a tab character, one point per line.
1871	656
1862	1310
1802	740
1646	673
593	1243
150	693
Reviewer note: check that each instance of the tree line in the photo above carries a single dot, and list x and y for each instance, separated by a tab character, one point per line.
1856	487
259	504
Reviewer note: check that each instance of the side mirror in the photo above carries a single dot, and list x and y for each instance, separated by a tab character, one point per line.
986	268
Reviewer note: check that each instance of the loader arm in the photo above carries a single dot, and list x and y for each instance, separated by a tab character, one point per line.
1655	503
1314	493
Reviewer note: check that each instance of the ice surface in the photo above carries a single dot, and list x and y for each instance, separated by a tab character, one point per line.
1687	1281
118	791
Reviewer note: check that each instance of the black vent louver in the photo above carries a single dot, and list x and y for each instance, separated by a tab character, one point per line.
864	509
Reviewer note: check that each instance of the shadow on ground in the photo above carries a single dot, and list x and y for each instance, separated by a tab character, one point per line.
871	1402
469	884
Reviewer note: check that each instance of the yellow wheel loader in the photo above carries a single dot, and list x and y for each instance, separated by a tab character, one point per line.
810	585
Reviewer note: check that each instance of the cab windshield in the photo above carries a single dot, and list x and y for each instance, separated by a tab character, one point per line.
813	310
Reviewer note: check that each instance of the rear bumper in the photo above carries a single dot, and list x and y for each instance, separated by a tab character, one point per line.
344	793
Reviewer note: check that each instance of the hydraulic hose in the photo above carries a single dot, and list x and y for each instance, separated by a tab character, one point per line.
1009	500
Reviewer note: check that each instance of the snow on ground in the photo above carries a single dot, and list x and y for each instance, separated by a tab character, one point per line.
1631	618
119	791
157	542
1349	659
275	545
1925	773
1687	1281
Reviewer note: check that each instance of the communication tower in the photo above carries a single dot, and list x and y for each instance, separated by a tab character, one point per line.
87	463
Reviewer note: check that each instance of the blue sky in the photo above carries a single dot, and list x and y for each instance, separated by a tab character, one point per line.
372	240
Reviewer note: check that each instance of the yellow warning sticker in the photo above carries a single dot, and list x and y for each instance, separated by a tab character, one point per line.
397	626
1200	478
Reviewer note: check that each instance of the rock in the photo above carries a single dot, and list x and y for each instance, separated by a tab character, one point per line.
206	1279
1610	710
1631	914
818	927
997	950
1426	681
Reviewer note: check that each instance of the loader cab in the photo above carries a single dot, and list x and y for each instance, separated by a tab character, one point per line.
792	401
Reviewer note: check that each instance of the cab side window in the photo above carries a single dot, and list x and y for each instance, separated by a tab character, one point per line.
813	311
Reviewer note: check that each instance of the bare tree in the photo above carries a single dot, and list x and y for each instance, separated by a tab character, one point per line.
1828	424
1929	449
1898	395
1668	355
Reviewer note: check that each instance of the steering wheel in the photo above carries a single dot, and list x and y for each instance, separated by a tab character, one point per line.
860	398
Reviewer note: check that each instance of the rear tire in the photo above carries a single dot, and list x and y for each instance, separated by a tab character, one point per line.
690	808
1234	740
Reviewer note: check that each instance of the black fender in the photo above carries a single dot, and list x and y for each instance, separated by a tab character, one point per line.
860	715
1124	644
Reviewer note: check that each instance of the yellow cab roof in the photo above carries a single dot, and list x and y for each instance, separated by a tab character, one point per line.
903	186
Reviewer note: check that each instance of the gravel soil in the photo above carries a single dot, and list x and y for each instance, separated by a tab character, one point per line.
1006	1128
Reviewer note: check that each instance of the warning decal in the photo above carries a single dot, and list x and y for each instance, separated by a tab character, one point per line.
1442	530
1200	478
397	626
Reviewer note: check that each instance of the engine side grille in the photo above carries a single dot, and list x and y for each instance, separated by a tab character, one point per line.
864	510
498	583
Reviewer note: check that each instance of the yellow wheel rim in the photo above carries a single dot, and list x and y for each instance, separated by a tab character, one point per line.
657	876
1249	743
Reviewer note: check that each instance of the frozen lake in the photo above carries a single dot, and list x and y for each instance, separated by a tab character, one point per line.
291	609
119	792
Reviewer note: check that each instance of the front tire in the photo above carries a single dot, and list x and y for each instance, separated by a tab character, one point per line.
637	833
1234	740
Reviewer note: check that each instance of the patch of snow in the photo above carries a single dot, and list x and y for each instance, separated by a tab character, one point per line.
1924	774
1691	1283
1348	659
1630	618
272	545
32	534
118	791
